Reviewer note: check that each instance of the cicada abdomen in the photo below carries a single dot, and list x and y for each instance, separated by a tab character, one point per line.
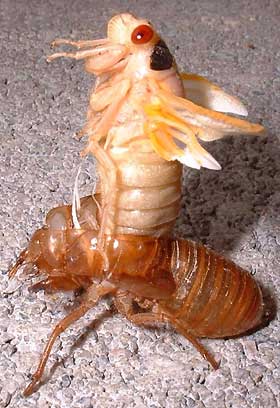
214	297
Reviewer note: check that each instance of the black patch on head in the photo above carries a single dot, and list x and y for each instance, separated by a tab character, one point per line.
161	58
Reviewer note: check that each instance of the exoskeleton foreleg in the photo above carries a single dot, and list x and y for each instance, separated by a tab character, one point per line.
93	295
19	262
57	283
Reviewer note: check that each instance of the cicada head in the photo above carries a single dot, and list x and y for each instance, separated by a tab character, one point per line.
128	30
139	37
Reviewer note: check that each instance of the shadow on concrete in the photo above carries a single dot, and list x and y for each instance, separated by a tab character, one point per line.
219	206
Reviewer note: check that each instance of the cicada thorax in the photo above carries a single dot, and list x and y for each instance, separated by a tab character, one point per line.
145	189
60	256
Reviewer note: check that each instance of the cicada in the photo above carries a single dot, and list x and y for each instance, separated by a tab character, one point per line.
145	120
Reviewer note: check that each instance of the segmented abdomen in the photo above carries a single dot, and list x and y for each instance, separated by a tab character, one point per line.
214	297
148	193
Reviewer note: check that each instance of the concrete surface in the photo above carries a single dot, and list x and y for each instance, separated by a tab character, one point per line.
236	211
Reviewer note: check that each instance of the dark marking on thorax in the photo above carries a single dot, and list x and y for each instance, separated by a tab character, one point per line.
161	57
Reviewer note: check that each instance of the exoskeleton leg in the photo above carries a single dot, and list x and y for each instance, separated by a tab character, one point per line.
61	282
19	262
124	305
94	294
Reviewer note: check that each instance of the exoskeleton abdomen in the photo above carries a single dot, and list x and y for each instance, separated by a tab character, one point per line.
214	297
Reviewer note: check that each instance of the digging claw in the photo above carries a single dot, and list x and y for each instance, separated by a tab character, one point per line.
22	257
30	388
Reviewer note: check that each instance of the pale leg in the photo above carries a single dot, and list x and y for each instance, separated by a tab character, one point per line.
108	195
79	44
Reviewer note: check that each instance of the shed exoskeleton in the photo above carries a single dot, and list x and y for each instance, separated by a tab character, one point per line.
198	292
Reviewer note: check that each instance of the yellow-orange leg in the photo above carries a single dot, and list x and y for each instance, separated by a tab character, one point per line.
93	295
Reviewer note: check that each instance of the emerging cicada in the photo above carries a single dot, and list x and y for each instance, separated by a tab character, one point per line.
144	121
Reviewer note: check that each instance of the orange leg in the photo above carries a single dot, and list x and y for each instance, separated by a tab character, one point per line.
192	339
124	306
19	262
62	282
93	295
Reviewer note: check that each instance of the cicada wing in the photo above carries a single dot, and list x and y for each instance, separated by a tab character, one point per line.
174	122
202	92
172	139
200	117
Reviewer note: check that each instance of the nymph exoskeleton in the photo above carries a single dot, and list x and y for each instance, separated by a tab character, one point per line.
144	122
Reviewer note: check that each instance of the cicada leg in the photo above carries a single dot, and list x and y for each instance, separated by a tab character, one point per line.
56	283
94	294
109	190
19	262
124	305
79	44
77	55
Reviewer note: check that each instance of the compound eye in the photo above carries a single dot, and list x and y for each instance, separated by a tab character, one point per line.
142	34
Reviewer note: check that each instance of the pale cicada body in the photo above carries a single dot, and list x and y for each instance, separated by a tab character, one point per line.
142	129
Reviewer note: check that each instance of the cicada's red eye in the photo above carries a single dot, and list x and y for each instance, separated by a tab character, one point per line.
142	34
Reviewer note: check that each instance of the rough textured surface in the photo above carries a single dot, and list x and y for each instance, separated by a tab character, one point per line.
235	211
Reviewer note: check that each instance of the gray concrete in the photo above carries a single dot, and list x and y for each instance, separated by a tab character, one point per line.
235	211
